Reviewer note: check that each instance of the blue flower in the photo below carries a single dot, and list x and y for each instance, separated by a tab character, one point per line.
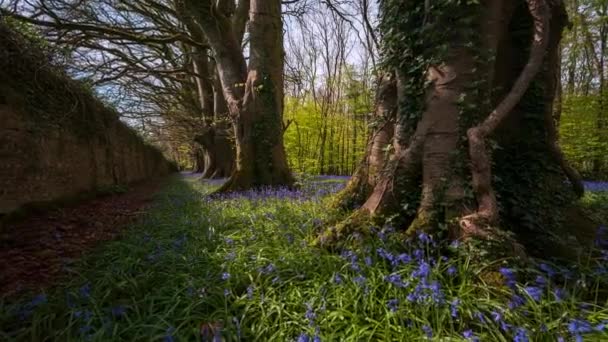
118	311
337	279
469	335
547	269
559	294
516	301
360	280
428	331
534	292
395	279
310	313
368	261
510	276
521	335
423	271
85	290
454	307
225	276
451	270
250	291
227	292
393	304
303	338
579	326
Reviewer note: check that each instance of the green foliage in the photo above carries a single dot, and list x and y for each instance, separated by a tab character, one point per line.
581	139
343	125
246	264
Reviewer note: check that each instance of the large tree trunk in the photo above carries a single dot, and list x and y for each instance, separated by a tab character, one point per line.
260	153
444	152
254	94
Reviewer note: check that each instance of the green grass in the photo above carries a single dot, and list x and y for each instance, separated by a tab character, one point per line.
248	265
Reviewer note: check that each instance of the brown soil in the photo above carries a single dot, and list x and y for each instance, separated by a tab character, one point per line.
35	250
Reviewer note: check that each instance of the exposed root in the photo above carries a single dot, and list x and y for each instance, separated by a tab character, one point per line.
358	222
477	135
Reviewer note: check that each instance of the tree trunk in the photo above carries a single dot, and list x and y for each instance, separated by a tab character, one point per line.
254	94
260	153
365	176
443	152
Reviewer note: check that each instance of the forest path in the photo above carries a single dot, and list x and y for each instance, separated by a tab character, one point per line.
38	249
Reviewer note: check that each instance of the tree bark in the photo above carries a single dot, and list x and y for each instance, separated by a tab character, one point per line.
254	94
447	153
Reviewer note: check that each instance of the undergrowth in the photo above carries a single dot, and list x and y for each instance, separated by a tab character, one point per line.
242	266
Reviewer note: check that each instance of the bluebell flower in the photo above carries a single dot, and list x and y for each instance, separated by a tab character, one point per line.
169	335
534	292
310	314
451	270
480	316
250	290
424	237
393	304
338	279
516	301
579	326
547	269
418	254
454	307
559	294
118	310
227	292
510	276
38	300
521	335
225	276
470	336
427	331
423	270
360	280
303	338
368	261
316	338
394	279
230	256
85	291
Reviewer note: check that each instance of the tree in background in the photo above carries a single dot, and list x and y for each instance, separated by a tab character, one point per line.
584	114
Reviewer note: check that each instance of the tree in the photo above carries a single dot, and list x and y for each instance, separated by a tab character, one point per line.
474	143
254	92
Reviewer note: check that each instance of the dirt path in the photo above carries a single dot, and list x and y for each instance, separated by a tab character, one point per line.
34	252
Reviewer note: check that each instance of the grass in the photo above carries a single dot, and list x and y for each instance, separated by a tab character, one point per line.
242	266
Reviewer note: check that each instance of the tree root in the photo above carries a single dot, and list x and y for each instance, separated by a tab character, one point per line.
481	168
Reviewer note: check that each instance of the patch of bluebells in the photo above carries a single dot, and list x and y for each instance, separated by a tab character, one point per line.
595	186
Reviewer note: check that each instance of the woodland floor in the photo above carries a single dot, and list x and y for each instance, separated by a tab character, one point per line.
37	250
243	266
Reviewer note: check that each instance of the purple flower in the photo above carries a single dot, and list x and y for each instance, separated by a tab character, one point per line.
310	314
521	335
360	280
469	335
393	304
225	276
510	276
534	292
303	338
516	301
559	294
547	269
427	331
250	290
338	279
395	279
454	307
423	271
368	261
451	270
118	311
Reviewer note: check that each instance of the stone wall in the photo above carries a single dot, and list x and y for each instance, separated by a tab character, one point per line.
56	139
